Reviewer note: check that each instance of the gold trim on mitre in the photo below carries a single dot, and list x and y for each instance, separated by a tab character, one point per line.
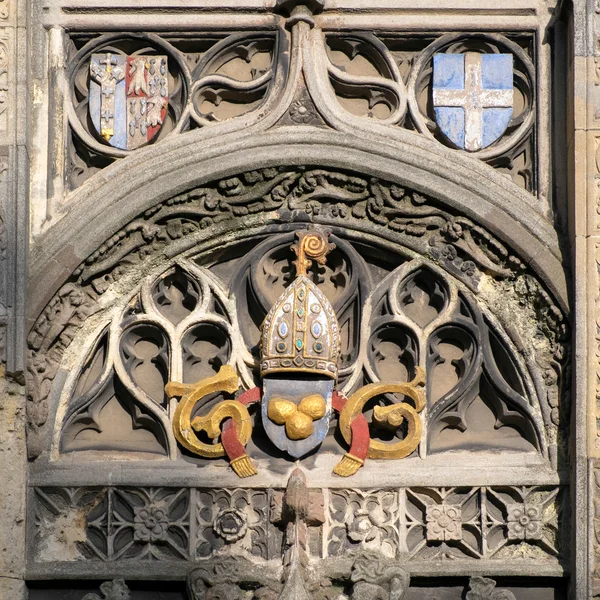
301	332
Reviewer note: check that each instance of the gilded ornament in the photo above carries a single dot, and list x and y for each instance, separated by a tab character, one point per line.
348	465
301	333
300	350
226	380
297	418
311	246
280	410
393	416
299	426
314	406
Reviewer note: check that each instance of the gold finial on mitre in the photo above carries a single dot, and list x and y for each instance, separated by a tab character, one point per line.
311	245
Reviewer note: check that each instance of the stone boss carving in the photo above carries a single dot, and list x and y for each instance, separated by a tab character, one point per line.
300	348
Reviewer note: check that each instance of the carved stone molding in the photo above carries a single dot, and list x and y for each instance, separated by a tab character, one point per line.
463	249
4	316
5	65
371	578
127	527
595	525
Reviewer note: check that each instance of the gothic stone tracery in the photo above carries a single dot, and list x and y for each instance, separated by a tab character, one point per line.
427	306
415	293
465	250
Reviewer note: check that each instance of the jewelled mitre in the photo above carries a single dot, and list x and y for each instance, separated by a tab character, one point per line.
300	334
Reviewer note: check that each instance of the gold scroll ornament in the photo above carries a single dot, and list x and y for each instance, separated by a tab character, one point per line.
311	245
392	415
226	380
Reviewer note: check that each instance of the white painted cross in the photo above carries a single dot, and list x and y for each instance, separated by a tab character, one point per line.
473	99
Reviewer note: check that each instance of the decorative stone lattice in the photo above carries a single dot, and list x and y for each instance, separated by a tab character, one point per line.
245	80
154	524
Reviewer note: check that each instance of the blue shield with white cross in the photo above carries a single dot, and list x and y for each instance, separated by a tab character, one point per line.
473	97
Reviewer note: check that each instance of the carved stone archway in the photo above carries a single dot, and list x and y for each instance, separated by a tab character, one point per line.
373	201
433	312
157	173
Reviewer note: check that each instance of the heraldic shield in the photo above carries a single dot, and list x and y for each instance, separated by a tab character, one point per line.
300	347
473	97
128	98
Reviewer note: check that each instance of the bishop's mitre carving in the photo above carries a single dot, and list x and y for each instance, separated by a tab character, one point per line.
300	350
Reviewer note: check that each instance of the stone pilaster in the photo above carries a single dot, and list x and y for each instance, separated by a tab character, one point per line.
14	185
13	466
14	179
584	208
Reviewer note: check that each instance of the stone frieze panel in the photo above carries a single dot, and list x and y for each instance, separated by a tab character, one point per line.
517	525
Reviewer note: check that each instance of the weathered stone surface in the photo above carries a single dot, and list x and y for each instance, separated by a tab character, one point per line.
13	467
283	114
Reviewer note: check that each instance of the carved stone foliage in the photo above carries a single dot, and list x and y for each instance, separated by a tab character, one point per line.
415	525
232	579
245	581
374	578
150	524
364	520
227	517
371	577
184	324
448	523
52	334
111	590
303	76
112	524
482	588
